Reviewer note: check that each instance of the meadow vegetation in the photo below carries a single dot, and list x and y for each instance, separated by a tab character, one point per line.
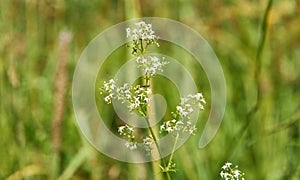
258	46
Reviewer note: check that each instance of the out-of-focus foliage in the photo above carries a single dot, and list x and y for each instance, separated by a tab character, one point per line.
260	131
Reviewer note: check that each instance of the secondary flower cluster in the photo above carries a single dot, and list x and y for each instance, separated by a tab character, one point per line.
136	97
127	131
186	104
231	173
148	144
181	122
141	35
131	142
150	64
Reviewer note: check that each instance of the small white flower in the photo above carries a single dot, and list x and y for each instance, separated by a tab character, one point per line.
108	98
136	100
130	129
131	107
179	108
191	130
109	86
228	165
162	127
201	106
181	111
169	129
131	145
222	174
146	99
147	142
236	173
127	32
121	129
126	130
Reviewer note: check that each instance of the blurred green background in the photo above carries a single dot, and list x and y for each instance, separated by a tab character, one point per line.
41	41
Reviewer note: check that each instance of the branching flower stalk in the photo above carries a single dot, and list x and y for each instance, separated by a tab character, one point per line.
181	122
137	97
141	36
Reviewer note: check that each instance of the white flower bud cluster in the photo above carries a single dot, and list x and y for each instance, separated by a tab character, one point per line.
231	173
150	64
182	123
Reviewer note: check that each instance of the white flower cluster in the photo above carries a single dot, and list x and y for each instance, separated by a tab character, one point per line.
131	143
182	122
127	131
186	104
142	31
150	64
136	97
109	87
148	143
176	126
231	173
141	35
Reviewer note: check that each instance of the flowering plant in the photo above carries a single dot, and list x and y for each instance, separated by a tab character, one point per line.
231	173
141	35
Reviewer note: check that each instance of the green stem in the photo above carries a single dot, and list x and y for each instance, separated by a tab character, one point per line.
142	48
84	153
257	73
147	81
174	146
156	144
261	43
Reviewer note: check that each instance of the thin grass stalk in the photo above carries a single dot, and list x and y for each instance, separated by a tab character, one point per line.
157	146
260	48
264	28
84	152
256	112
173	150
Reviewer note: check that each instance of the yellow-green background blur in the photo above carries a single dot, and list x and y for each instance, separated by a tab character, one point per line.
41	41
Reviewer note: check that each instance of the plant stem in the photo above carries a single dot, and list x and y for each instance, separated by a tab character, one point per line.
257	73
156	144
142	48
171	156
